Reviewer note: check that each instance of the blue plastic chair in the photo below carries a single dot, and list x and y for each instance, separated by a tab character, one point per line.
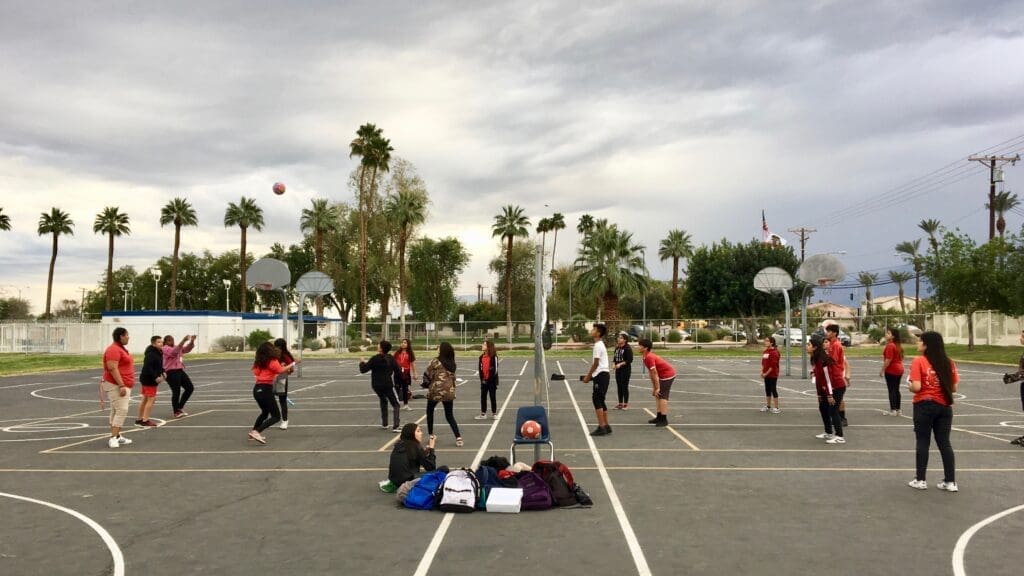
540	416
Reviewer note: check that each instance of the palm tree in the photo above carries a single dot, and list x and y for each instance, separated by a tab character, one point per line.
320	218
57	222
543	227
1004	202
5	220
610	266
912	254
931	228
585	224
867	280
245	214
180	213
509	225
900	278
406	210
375	153
555	223
676	246
111	222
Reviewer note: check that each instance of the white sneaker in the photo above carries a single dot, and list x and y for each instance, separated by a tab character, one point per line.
897	413
764	408
407	407
947	486
283	425
825	436
918	484
481	416
113	443
775	411
494	416
122	440
836	440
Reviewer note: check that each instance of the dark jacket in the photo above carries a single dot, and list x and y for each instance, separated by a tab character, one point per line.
152	365
402	468
381	368
493	379
624	354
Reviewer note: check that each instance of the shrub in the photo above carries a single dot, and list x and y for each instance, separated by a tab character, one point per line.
329	342
723	334
577	328
675	336
876	334
702	336
313	344
228	343
257	337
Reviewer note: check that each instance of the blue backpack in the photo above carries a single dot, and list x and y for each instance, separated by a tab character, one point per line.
488	478
423	495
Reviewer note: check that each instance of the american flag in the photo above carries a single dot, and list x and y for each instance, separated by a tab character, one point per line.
764	228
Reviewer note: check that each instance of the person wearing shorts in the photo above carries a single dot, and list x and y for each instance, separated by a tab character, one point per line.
599	375
662	376
770	374
1014	377
116	386
152	375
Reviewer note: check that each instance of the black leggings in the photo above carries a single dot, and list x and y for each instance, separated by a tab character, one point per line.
932	417
386	395
449	415
178	380
269	414
282	399
622	383
489	390
892	382
402	386
830	412
601	381
771	387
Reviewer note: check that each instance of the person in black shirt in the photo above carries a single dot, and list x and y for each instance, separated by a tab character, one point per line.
408	456
382	368
1014	377
622	362
152	374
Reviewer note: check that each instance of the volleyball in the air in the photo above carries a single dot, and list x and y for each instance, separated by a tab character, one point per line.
530	429
278	188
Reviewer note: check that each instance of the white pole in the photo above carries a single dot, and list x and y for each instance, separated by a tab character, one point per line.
789	321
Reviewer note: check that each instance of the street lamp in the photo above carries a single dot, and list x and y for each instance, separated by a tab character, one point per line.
157	273
129	294
121	285
227	294
643	253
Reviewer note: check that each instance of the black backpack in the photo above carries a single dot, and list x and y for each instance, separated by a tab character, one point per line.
557	476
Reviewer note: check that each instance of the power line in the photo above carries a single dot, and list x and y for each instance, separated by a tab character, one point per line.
992	163
805	234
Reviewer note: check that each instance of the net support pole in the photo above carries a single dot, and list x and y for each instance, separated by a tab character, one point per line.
284	316
789	322
539	324
803	329
302	332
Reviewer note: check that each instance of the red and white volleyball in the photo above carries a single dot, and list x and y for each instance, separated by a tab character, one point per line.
279	188
530	429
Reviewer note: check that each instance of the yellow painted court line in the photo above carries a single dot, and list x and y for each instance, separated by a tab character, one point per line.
124	430
391	442
677	434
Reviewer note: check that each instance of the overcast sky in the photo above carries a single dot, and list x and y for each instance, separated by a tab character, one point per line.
692	115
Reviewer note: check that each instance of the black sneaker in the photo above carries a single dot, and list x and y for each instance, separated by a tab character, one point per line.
607	430
845	423
140	423
654	420
1007	378
662	422
1018	441
599	431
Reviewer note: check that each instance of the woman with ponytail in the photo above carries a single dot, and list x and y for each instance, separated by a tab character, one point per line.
933	380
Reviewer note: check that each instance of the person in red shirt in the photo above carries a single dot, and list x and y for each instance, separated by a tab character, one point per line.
933	380
487	367
266	368
406	373
118	379
835	350
770	374
829	382
892	369
1014	377
662	375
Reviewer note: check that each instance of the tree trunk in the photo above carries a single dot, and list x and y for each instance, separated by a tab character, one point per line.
554	246
867	297
970	330
610	304
402	239
362	252
1001	226
508	288
174	267
903	306
49	278
917	290
318	257
110	267
675	292
241	268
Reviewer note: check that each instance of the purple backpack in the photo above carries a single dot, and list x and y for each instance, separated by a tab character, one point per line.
536	494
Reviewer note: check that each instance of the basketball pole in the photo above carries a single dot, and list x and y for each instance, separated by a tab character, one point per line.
539	324
789	322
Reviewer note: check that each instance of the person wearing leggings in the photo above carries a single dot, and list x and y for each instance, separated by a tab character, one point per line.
177	378
1014	377
382	369
622	361
440	377
933	380
281	382
598	374
266	368
830	386
770	374
892	369
487	368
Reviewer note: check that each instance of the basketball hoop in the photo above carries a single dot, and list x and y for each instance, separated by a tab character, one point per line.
265	286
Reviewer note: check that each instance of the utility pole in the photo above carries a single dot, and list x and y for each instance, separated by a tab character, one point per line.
804	234
992	162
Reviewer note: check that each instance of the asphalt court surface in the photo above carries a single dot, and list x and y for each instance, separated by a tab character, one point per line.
725	489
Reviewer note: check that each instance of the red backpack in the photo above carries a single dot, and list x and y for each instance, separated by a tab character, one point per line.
559	479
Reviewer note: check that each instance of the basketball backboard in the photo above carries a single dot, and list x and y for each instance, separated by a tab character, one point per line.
268	274
772	280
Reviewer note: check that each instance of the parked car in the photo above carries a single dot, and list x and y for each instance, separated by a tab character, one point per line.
844	338
796	337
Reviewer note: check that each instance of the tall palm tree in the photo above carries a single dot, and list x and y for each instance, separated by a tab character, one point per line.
931	228
555	223
912	253
543	227
407	210
5	220
319	219
113	223
585	224
180	213
867	280
375	156
900	278
246	214
57	223
676	246
609	266
1004	202
509	225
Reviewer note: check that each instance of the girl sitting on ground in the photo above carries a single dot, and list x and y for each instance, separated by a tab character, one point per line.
407	457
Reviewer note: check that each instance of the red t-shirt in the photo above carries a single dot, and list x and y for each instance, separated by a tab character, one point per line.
835	350
125	364
654	362
894	357
921	371
265	376
770	362
485	367
827	379
402	359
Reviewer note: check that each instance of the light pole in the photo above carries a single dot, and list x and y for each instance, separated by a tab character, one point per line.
81	305
157	273
643	253
121	285
130	295
227	295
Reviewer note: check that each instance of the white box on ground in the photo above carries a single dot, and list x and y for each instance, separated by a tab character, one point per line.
504	500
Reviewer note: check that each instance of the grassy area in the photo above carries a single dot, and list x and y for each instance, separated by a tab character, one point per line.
14	364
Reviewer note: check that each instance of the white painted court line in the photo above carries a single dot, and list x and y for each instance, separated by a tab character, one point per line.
115	550
965	538
521	372
435	542
677	434
391	442
639	560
